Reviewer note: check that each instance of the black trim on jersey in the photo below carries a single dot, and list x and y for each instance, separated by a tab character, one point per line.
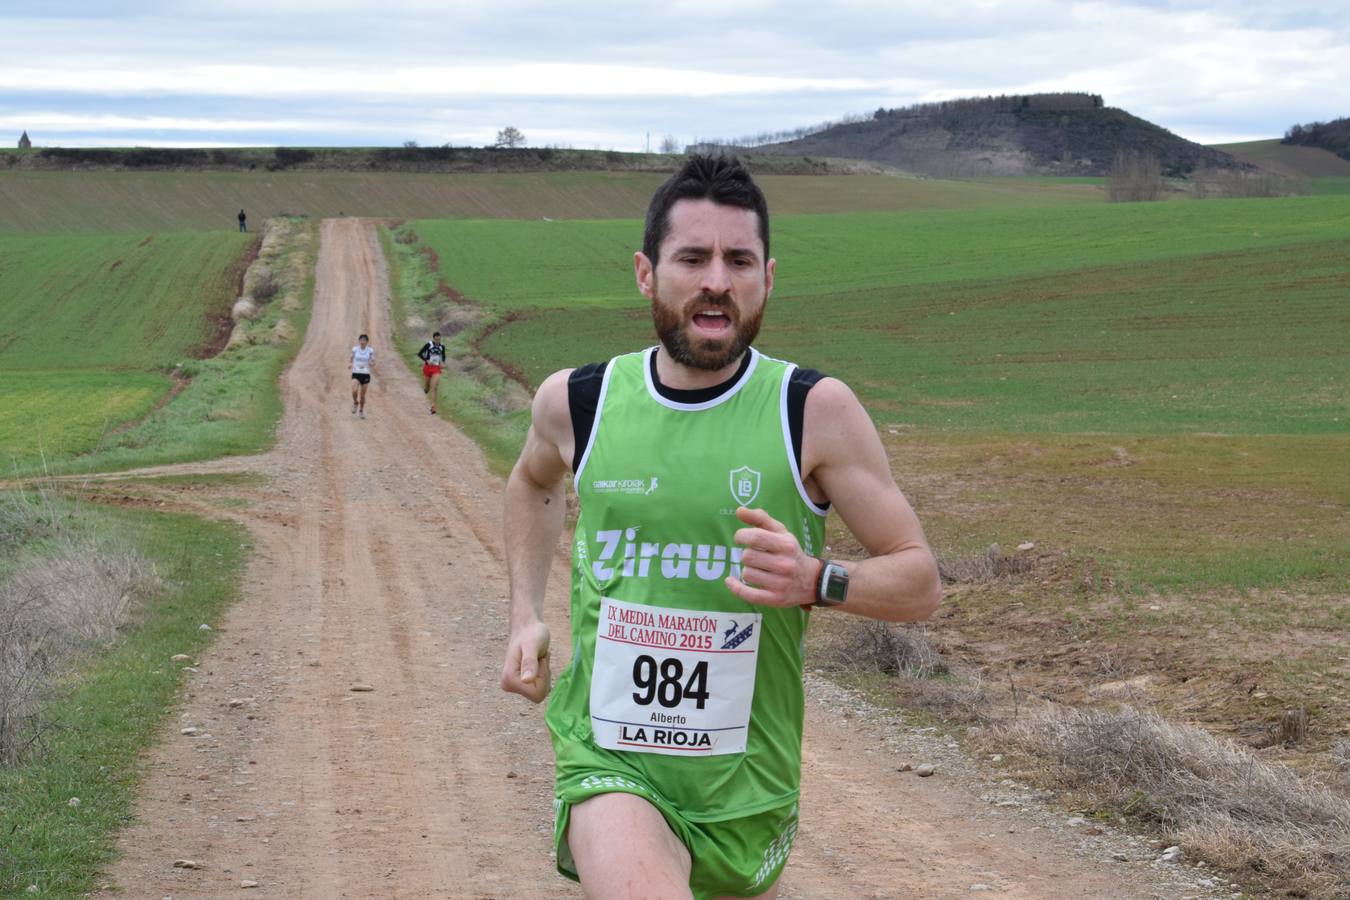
583	402
799	385
585	382
698	395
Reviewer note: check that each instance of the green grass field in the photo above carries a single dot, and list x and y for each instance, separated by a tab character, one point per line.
1200	342
1164	318
104	327
130	301
93	324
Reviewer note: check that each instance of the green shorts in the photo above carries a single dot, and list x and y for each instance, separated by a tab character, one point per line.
738	857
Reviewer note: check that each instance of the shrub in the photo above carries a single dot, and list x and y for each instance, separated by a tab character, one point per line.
1221	801
1135	176
72	597
285	157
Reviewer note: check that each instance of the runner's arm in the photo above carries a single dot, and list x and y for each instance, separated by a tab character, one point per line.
843	456
533	519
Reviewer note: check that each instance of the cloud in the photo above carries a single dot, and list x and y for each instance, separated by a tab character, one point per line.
329	68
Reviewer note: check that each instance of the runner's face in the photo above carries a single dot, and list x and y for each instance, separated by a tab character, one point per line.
362	342
710	285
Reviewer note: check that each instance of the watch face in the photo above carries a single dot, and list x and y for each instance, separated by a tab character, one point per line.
836	585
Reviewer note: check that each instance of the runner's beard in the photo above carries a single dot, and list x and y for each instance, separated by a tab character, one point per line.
709	354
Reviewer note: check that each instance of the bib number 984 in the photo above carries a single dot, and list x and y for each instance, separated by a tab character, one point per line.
662	682
673	681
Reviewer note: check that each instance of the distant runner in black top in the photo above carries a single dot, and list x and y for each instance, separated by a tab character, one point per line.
243	220
432	355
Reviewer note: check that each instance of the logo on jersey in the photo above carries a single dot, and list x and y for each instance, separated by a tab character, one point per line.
744	485
619	552
735	636
625	485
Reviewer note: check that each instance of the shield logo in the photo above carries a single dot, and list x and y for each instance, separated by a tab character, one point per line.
744	485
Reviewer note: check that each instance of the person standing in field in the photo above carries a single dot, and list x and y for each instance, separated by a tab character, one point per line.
243	221
362	365
704	473
432	355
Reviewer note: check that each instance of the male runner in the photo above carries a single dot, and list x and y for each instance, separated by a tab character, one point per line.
432	355
704	472
362	363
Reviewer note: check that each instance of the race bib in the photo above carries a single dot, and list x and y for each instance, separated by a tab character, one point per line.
673	681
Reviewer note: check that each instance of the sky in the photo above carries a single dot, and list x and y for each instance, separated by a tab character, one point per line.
623	76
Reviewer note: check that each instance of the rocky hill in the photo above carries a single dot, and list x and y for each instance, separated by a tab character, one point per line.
1030	134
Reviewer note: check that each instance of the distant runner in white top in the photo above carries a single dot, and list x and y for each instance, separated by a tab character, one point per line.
362	363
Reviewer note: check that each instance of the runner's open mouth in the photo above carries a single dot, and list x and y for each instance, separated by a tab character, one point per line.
714	321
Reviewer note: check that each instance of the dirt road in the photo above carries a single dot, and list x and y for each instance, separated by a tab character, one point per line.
379	567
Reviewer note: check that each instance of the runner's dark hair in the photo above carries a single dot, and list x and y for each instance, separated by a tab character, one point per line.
435	334
721	179
363	337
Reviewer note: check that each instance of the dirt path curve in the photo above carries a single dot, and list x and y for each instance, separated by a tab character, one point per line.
378	565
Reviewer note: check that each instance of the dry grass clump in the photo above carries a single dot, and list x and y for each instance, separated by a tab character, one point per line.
872	646
57	602
263	283
283	332
1221	801
244	308
981	568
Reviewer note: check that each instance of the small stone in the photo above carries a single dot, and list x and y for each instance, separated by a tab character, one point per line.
73	802
1093	830
1076	821
205	776
32	889
1026	545
362	688
996	758
186	864
1120	857
189	731
191	669
981	887
906	767
180	657
512	775
1171	854
924	770
248	884
203	627
245	818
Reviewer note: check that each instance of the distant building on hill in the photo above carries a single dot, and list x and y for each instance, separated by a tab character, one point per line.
24	142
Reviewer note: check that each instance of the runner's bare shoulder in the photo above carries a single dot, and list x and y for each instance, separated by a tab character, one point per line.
551	417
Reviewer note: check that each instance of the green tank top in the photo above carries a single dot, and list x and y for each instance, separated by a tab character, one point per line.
675	683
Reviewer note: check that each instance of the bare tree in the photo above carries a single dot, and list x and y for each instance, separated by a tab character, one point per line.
509	136
1135	175
410	144
670	144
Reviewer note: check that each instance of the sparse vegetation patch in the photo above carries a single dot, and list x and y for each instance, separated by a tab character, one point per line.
1220	801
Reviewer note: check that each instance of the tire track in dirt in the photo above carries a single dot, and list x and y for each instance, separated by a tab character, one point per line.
378	562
